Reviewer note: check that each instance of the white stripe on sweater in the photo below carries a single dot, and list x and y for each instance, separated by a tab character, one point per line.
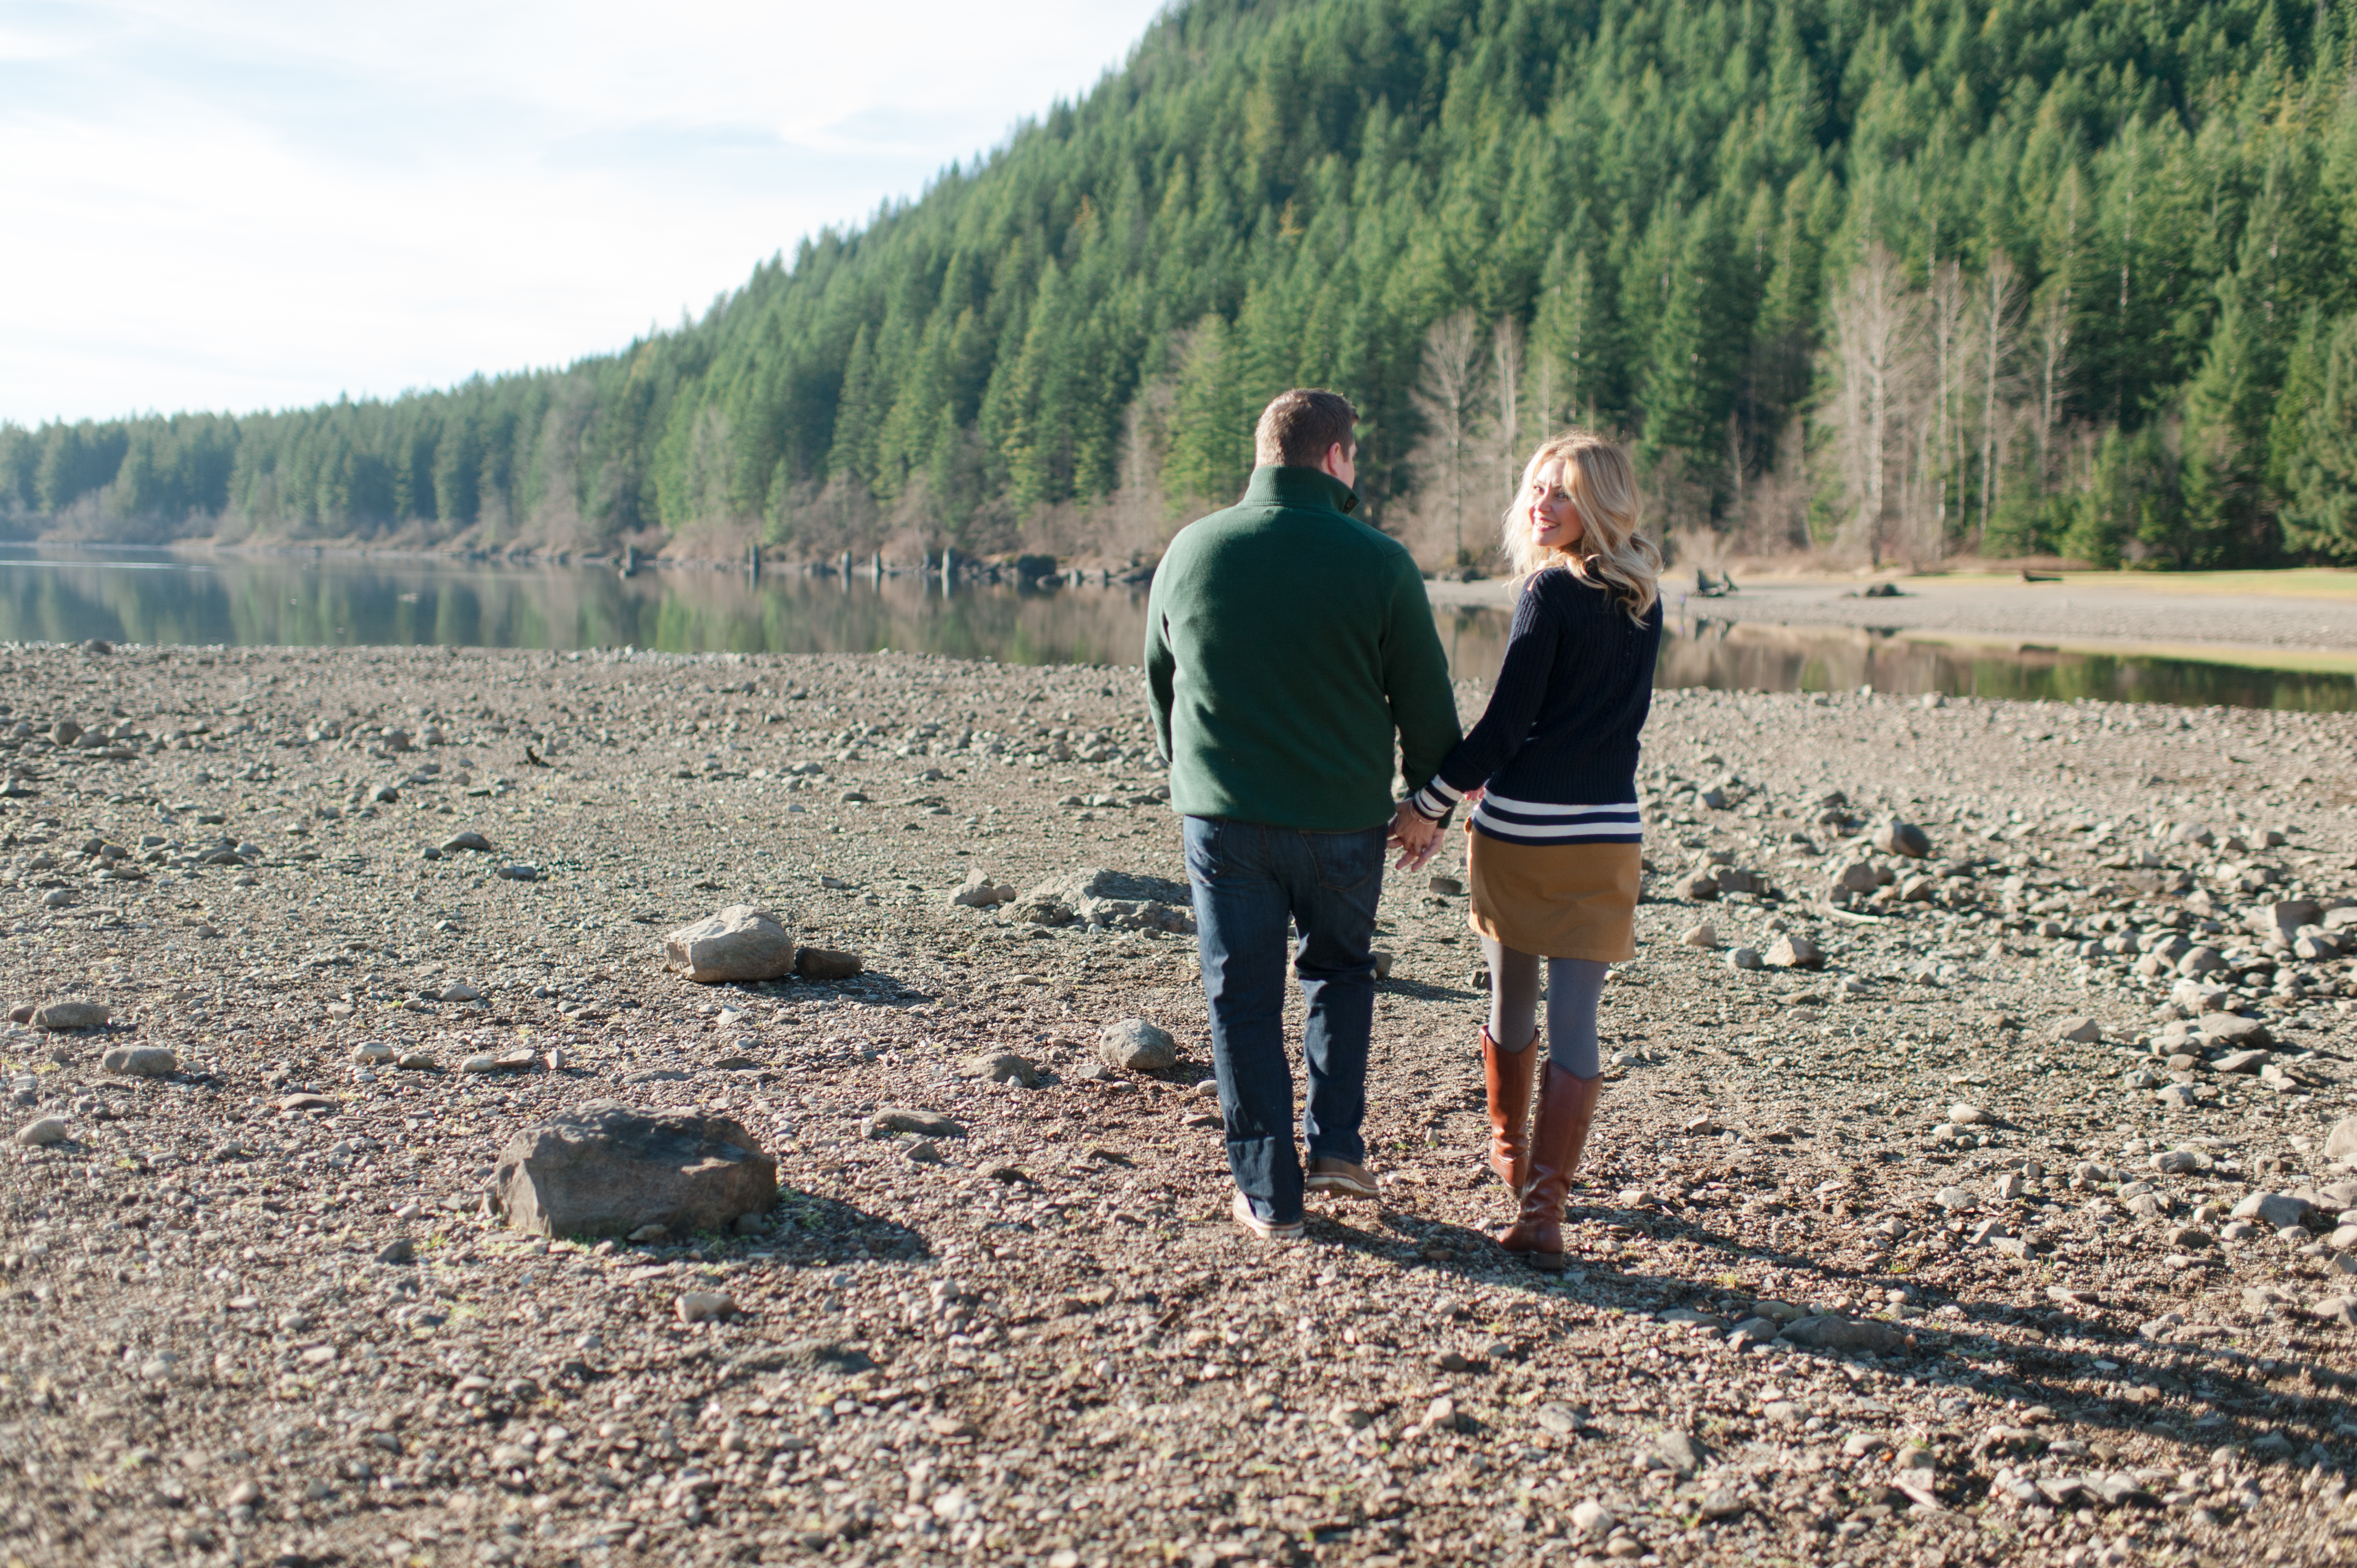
1539	823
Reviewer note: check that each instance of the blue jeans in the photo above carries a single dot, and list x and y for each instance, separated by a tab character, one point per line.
1252	883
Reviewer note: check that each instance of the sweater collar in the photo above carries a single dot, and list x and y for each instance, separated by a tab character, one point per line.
1274	486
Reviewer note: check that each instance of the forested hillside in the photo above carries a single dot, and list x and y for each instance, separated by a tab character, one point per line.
1885	279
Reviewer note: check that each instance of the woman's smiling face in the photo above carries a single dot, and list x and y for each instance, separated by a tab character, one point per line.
1549	512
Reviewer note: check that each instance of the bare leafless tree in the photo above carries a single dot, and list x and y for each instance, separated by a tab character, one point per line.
1506	378
1447	396
1996	330
1877	328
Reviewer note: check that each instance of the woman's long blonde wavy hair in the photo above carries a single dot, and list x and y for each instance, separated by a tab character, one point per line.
1611	553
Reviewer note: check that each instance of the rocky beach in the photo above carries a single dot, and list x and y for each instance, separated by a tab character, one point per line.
1974	1183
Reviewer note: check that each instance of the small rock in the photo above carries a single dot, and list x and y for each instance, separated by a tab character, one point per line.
892	1119
978	892
400	1249
417	1061
923	1153
1705	935
1895	837
1558	1418
373	1054
2242	1061
824	965
2075	1031
704	1307
1591	1518
1792	951
1700	886
1385	961
1965	1115
47	1130
518	871
71	1015
458	991
739	943
1721	1502
2191	1239
607	1169
1830	1333
1955	1199
2273	1209
1133	1045
482	1061
1000	1067
1447	887
1857	876
1679	1449
1744	958
469	840
2342	1142
140	1061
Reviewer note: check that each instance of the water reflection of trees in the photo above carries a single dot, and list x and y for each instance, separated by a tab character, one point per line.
156	598
1747	656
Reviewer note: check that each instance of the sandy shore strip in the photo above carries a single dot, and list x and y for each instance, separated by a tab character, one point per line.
2234	616
1976	1190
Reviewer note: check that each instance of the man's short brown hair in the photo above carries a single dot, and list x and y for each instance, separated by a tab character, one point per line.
1297	427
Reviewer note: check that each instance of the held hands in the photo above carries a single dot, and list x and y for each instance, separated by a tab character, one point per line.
1416	836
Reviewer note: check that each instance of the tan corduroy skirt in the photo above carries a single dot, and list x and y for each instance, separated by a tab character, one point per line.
1568	900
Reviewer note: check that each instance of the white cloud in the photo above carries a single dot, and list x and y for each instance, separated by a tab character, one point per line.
242	204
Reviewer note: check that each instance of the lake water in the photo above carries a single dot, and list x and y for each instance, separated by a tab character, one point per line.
55	593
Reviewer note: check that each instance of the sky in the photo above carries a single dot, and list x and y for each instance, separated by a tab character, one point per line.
243	205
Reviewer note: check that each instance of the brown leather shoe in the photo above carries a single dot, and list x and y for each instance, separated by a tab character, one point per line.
1567	1111
1508	1078
1339	1177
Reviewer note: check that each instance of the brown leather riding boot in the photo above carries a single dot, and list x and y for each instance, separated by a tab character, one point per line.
1567	1111
1507	1076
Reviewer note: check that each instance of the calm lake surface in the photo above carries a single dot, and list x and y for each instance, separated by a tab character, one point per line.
55	594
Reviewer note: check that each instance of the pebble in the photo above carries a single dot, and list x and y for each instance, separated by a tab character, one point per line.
1965	1115
400	1249
925	1123
704	1307
1705	935
1956	1198
2075	1031
1000	1067
1744	958
71	1015
140	1061
46	1131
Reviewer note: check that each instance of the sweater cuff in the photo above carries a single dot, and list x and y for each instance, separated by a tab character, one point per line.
1435	800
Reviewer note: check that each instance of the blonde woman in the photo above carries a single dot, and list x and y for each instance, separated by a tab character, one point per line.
1554	841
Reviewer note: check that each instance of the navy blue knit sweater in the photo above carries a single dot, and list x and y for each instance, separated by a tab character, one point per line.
1557	748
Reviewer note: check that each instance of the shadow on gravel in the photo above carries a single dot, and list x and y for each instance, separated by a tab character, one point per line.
809	1228
2206	1396
1422	990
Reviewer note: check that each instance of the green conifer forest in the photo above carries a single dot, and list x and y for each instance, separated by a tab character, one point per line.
1889	279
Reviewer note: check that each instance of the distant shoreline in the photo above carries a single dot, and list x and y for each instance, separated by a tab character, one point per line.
2301	618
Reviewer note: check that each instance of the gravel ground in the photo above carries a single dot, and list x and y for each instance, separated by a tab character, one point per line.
1872	1266
2129	611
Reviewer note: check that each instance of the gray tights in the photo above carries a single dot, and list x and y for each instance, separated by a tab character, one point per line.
1574	986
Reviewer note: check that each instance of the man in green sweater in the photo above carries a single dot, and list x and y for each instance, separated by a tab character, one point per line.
1285	644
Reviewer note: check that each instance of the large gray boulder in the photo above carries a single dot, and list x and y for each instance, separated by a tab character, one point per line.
607	1169
1093	895
739	943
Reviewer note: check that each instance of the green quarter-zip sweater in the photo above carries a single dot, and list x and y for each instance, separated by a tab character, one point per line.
1286	644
